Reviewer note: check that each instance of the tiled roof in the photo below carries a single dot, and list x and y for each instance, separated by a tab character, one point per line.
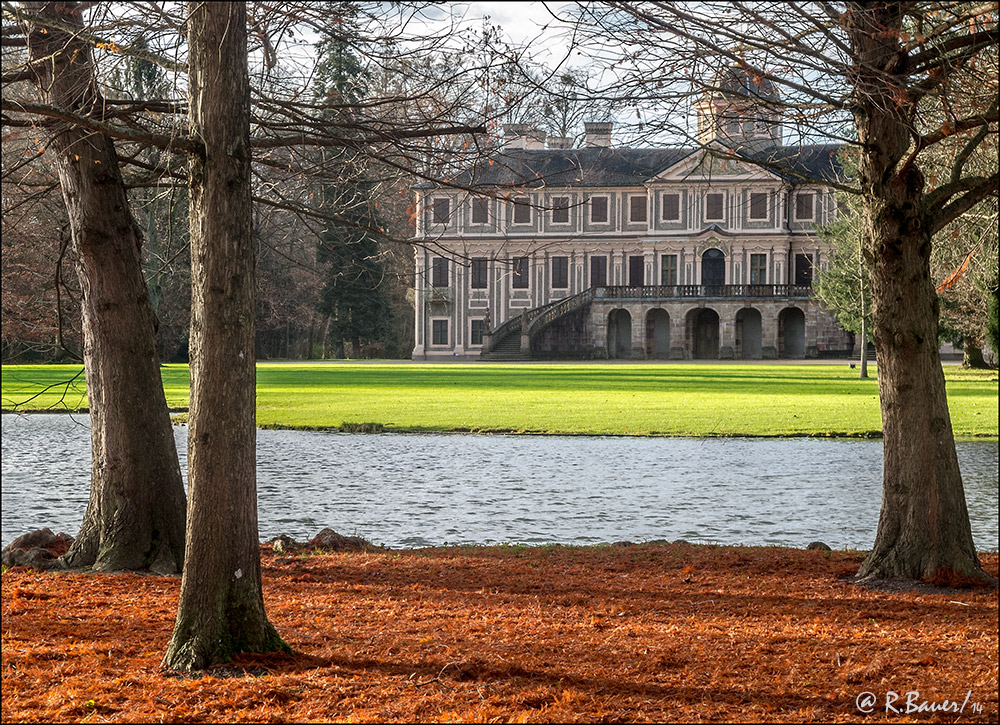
601	166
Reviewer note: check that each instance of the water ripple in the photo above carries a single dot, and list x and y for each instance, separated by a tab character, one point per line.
421	490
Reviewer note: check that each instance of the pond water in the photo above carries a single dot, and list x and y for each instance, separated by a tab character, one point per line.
406	490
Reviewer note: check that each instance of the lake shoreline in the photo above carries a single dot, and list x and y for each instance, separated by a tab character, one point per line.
691	400
179	417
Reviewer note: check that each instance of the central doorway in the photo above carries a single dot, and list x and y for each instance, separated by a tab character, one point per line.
713	268
703	330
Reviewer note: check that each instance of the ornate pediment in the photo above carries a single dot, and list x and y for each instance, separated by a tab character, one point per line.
716	163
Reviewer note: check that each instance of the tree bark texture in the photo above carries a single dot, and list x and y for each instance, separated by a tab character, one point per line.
221	609
923	530
135	515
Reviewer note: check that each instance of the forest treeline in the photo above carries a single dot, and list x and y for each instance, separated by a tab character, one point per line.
332	221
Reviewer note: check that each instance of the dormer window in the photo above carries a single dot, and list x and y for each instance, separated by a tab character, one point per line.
805	206
715	207
441	211
599	210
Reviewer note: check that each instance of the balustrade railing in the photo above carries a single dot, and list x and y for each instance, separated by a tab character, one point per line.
531	321
703	290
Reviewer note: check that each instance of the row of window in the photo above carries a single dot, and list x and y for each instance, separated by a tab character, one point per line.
670	208
713	260
439	332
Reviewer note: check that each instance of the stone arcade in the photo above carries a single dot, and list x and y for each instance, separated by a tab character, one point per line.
636	253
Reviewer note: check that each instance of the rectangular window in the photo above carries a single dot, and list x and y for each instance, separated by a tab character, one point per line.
804	210
714	207
671	207
636	271
522	210
442	211
598	209
439	332
478	330
758	269
560	272
439	272
758	206
803	269
479	273
637	209
598	271
668	269
560	210
519	279
480	211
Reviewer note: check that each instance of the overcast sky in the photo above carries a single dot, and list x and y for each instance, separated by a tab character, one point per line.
523	23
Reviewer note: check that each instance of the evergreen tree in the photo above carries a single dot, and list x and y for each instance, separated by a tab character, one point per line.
354	295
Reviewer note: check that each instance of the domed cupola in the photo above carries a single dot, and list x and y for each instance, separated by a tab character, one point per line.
740	108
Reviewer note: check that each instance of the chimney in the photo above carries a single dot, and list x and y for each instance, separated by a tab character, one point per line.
535	140
597	134
515	135
560	142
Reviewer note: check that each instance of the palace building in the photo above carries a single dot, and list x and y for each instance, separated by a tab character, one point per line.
636	253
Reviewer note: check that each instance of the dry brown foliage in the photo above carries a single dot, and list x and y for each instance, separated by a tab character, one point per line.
511	634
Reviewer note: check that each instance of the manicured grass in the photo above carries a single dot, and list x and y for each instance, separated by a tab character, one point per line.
616	399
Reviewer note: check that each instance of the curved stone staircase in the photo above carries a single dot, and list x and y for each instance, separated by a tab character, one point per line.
505	342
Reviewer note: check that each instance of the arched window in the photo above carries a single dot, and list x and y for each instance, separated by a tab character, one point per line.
713	267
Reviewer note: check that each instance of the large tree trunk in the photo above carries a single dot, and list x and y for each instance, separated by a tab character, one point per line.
923	530
221	609
135	516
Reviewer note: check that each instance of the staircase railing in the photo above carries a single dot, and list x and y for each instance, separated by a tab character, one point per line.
539	317
552	312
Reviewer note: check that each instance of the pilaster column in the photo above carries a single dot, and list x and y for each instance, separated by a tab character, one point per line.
727	333
678	342
769	332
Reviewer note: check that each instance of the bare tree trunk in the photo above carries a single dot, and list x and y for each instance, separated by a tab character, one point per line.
221	609
312	332
972	355
864	348
864	318
325	338
135	516
923	530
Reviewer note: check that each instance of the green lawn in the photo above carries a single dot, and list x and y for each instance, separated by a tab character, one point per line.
640	399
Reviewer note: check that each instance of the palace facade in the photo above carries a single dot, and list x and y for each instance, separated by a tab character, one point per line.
637	253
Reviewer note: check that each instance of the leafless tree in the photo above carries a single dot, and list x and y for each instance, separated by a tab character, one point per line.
135	516
892	82
235	144
221	609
